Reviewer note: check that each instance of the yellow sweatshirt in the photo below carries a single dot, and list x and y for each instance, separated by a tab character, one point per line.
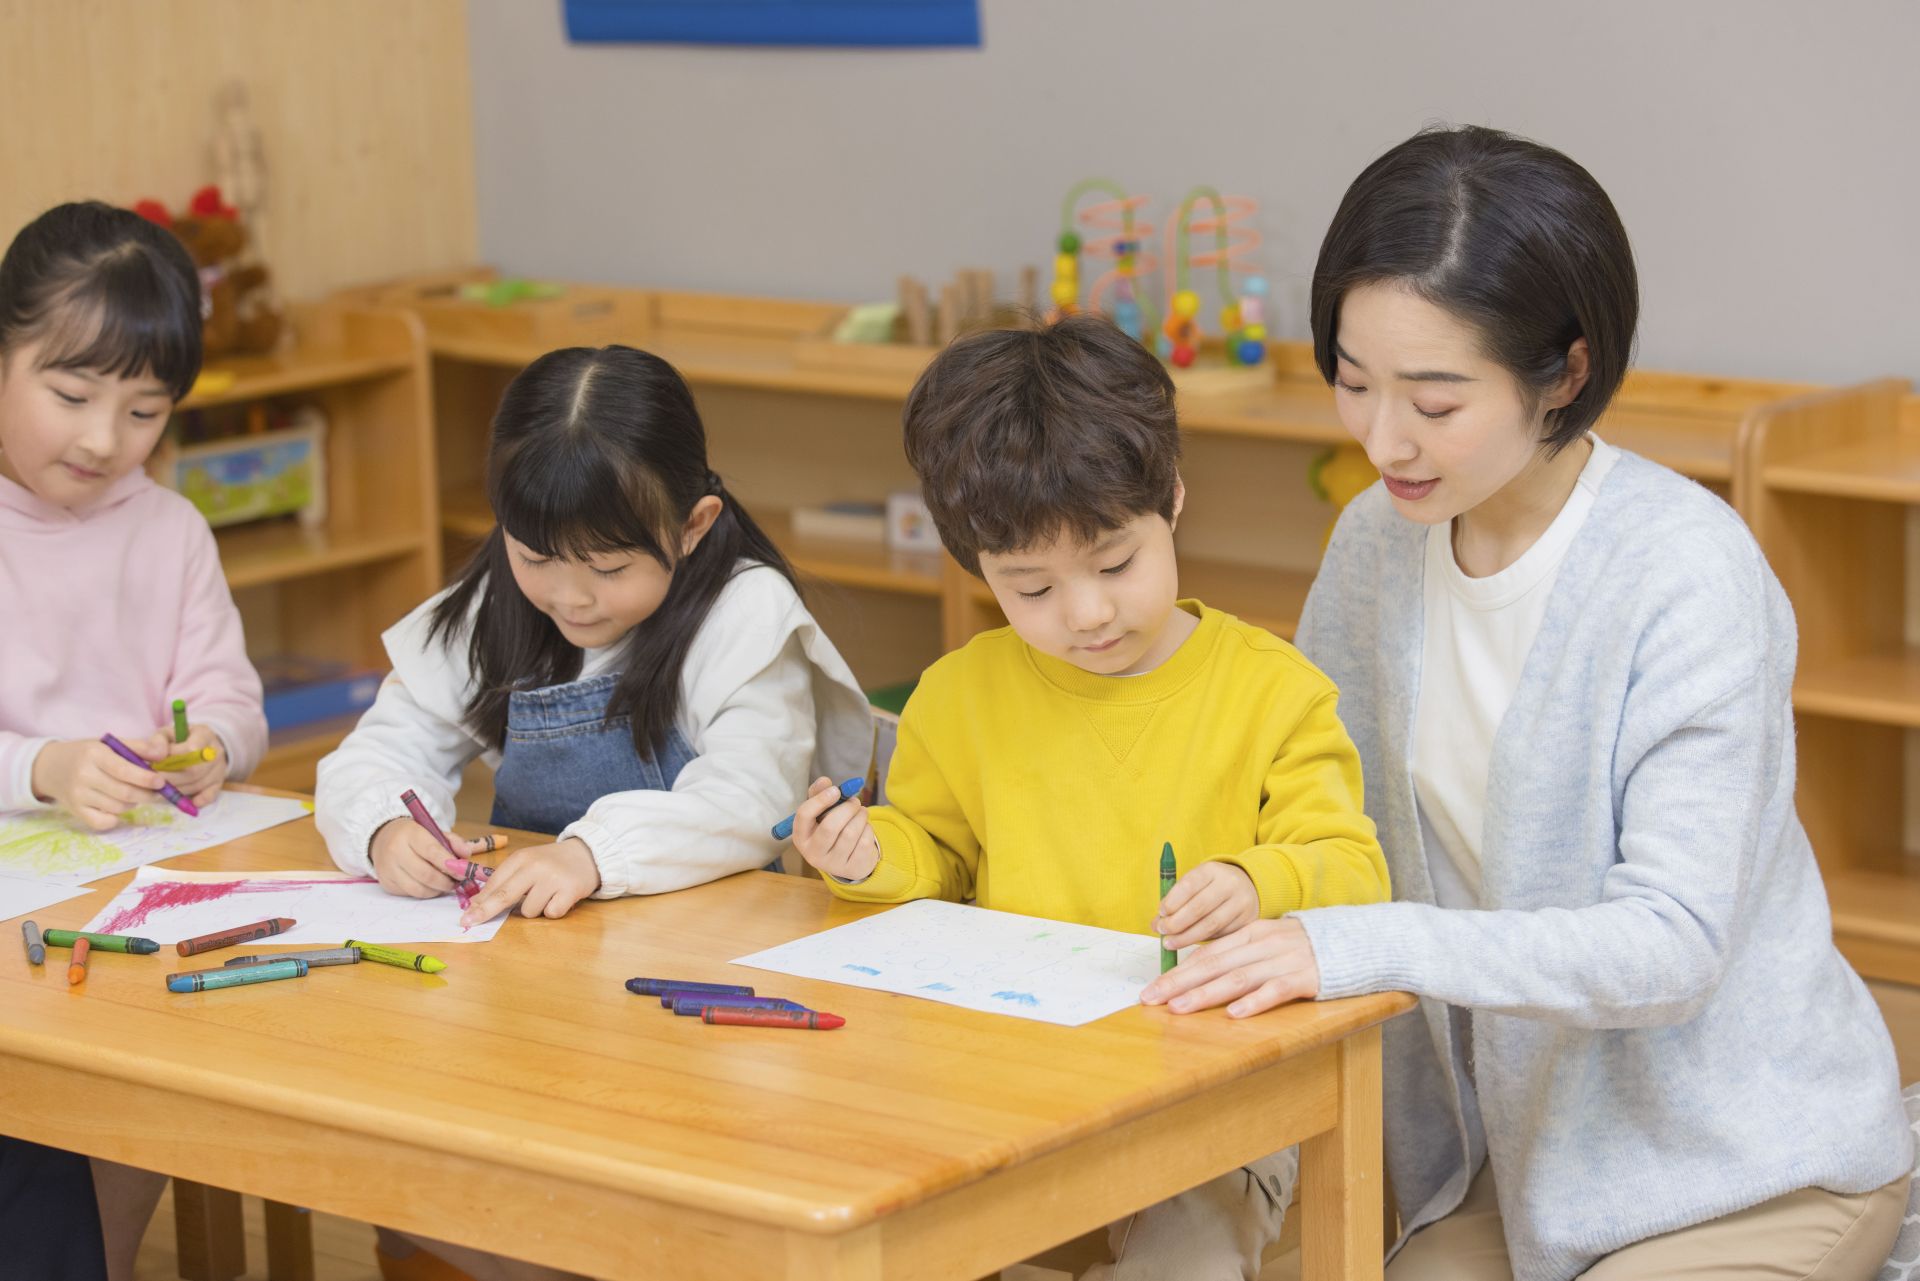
1031	786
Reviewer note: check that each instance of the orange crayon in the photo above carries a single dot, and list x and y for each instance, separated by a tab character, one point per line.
77	967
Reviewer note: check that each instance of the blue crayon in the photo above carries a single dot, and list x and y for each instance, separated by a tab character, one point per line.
654	987
848	790
206	980
692	1005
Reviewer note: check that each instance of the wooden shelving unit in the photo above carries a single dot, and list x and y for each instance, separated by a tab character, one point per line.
1828	481
328	592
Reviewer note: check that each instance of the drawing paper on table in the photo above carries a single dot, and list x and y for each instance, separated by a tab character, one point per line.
52	845
22	897
328	908
968	956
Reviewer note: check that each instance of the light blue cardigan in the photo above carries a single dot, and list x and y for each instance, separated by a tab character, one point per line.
1662	1030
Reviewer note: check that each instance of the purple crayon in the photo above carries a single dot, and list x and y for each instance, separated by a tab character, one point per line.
692	1005
167	789
654	987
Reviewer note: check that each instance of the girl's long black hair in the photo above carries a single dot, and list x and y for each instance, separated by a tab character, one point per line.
596	451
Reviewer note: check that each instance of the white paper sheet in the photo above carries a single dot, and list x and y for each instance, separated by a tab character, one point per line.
994	961
51	845
22	897
329	908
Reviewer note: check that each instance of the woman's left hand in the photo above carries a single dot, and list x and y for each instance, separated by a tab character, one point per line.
1266	964
545	880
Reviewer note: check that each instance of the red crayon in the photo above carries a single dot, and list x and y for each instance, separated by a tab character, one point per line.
238	934
738	1017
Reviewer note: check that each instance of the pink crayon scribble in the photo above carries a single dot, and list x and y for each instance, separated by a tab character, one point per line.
163	895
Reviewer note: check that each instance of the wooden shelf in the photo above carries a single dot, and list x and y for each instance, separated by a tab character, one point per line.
278	551
854	564
295	370
1881	688
1258	594
465	513
1876	922
1884	470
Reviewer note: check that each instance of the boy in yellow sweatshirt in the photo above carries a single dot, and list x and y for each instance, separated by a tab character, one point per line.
1041	767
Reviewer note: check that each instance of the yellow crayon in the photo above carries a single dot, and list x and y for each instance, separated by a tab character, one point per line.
394	956
185	760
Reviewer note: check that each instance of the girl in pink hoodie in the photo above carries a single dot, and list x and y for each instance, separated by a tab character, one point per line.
112	604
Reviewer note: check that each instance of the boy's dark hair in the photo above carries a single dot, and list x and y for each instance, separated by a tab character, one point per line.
107	291
1020	436
1512	237
596	451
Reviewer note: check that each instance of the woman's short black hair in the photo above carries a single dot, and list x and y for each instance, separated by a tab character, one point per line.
104	290
1513	238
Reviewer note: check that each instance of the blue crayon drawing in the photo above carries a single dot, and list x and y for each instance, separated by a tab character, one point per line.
860	969
937	987
1017	998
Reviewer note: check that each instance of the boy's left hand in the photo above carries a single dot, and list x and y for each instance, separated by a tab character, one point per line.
1212	900
202	782
545	880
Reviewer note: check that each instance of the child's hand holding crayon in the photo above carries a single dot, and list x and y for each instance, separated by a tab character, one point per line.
202	780
91	781
543	880
832	833
1210	902
408	859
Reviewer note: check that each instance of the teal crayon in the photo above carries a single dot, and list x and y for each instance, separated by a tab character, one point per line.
316	957
36	950
101	942
1169	873
210	980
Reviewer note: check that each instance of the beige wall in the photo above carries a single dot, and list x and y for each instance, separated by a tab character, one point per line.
364	108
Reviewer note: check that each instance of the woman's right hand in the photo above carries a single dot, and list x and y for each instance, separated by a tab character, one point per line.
92	781
409	862
835	835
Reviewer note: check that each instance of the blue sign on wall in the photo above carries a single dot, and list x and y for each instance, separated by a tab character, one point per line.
776	22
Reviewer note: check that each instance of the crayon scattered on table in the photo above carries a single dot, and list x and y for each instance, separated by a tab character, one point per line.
238	934
654	987
805	1020
102	942
209	980
36	949
316	957
686	1006
77	967
396	957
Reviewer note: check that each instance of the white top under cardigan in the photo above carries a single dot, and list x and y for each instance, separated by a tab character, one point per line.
1478	632
1663	1030
766	702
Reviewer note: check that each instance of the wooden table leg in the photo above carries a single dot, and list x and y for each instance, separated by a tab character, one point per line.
1340	1179
854	1256
211	1237
289	1243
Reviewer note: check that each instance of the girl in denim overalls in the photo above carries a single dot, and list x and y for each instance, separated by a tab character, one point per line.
627	650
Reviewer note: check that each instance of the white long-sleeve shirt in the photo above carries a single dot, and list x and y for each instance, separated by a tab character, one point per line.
766	703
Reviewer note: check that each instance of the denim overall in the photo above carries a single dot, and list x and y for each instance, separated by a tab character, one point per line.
562	754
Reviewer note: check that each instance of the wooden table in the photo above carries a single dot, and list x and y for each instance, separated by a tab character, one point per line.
524	1102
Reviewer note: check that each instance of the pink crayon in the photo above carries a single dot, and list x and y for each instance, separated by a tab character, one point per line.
167	789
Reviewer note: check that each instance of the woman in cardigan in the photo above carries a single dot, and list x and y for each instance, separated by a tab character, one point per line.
1568	673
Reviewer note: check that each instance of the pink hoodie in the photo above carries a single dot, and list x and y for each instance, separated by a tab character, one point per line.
107	614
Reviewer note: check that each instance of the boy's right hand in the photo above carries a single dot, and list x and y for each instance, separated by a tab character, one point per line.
409	862
93	782
836	838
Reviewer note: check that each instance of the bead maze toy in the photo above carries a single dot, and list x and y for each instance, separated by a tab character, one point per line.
1242	318
1114	231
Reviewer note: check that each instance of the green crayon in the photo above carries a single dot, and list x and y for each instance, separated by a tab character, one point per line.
101	942
179	720
1169	873
394	956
